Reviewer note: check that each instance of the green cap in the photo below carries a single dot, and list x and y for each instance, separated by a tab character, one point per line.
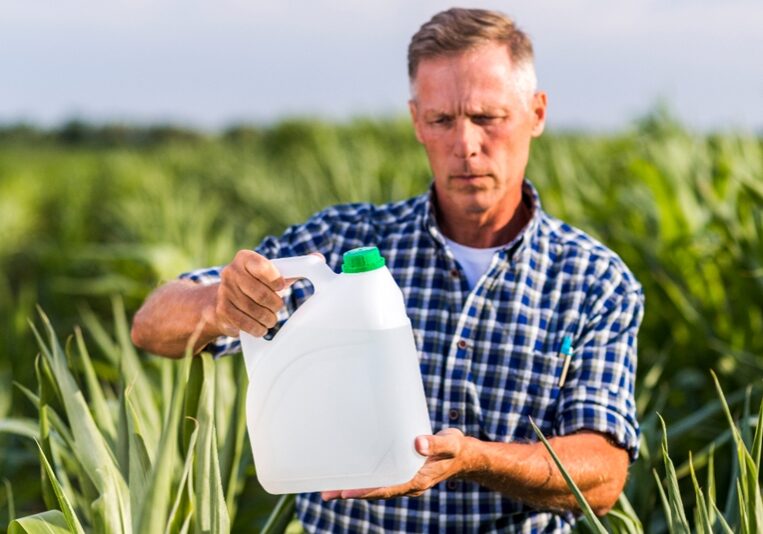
361	260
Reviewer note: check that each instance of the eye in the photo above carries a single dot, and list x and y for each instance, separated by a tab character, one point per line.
442	120
485	120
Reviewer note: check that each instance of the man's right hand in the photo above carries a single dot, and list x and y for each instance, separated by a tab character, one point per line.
247	296
181	311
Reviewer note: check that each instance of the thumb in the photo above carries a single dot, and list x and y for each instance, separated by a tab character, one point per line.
445	443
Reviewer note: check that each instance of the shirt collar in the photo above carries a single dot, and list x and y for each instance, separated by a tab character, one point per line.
529	196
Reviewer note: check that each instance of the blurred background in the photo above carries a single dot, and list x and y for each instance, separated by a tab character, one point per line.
142	139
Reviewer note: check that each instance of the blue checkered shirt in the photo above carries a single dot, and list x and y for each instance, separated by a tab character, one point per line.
490	356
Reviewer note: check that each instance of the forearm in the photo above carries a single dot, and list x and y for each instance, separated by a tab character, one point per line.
172	314
526	472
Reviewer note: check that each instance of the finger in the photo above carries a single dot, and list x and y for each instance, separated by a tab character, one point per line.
251	263
265	271
242	321
259	292
444	444
232	297
412	488
330	495
237	280
257	301
422	445
369	493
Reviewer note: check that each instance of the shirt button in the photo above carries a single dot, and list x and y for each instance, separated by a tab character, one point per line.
451	484
453	414
462	344
454	273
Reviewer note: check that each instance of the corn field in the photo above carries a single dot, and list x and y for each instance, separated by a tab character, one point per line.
98	437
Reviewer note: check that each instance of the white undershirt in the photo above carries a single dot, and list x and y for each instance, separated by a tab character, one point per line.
474	261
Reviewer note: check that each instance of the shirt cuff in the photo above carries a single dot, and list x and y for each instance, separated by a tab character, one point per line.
223	344
597	409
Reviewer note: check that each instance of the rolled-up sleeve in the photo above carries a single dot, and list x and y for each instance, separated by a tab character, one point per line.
208	276
599	394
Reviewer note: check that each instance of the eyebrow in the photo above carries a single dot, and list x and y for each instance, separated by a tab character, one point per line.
478	111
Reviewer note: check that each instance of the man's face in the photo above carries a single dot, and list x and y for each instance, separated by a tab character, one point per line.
476	128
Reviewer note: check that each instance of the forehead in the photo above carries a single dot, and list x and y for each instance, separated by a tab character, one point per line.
482	75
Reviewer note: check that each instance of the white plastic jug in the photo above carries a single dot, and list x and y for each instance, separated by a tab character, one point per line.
335	399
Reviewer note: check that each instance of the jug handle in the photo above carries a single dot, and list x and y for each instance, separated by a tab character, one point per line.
310	266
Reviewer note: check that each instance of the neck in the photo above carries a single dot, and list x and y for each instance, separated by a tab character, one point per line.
480	230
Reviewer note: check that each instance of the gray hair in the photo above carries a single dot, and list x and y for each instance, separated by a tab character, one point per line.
459	30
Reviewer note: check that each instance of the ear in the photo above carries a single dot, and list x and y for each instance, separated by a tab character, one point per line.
415	119
538	106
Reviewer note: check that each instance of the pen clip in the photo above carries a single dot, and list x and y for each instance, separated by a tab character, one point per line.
566	353
566	349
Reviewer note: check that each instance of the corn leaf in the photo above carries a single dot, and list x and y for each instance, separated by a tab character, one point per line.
99	334
139	460
97	400
212	512
50	522
231	457
9	497
281	515
70	516
618	522
584	506
134	376
757	441
702	523
154	510
623	518
726	410
753	503
678	517
27	428
731	510
722	521
91	447
48	495
744	519
666	508
744	427
710	504
177	520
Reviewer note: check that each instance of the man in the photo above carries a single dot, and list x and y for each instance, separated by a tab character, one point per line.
493	285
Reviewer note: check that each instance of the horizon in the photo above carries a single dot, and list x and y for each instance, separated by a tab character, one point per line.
207	67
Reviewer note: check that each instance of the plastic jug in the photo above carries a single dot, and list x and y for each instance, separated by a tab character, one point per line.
335	399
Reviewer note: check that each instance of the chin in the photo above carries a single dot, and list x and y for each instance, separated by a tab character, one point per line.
475	209
474	205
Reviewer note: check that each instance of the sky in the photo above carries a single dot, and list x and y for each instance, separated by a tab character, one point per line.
212	64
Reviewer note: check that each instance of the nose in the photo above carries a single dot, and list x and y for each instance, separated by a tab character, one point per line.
467	139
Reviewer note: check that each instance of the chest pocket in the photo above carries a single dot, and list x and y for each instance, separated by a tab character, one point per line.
514	387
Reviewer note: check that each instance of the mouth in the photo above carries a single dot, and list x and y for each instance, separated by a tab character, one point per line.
469	177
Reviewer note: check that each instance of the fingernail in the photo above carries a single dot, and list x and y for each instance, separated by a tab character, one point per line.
422	444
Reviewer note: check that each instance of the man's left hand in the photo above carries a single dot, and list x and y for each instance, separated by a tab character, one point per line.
445	459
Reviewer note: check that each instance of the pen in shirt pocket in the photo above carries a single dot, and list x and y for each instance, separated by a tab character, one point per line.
566	353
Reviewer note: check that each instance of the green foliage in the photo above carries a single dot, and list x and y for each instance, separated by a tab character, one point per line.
88	212
121	459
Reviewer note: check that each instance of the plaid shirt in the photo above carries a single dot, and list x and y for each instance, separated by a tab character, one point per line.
490	356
